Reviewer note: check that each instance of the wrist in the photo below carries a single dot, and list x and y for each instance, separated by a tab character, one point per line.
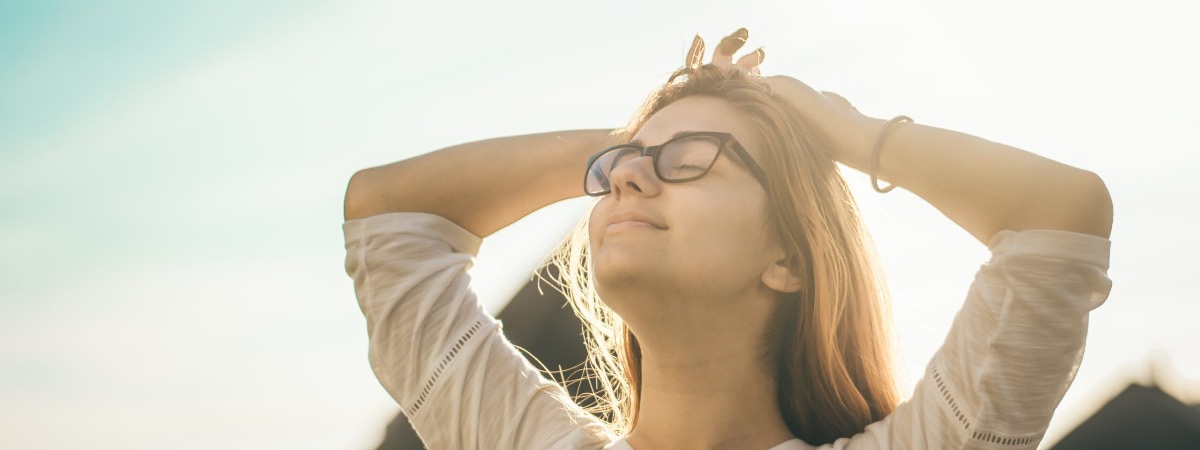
576	147
856	149
877	153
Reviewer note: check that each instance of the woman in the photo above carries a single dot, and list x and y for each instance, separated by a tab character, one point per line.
729	285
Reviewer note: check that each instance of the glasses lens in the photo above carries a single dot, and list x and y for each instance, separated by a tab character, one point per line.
688	158
602	167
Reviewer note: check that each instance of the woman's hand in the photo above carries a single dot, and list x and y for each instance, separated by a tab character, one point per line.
969	179
834	124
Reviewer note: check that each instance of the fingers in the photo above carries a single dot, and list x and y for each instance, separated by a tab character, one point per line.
723	54
730	44
695	56
752	60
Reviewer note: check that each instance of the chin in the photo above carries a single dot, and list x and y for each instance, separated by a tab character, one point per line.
619	277
610	271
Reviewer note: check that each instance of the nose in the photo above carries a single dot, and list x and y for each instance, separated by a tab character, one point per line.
635	176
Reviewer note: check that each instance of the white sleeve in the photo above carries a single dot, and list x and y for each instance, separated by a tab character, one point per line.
439	354
1011	353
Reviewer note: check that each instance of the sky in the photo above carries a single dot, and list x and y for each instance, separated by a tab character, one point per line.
171	179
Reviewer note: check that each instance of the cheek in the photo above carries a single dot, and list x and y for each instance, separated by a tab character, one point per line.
735	214
729	235
725	233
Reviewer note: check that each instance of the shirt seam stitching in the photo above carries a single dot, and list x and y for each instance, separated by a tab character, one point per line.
965	422
431	382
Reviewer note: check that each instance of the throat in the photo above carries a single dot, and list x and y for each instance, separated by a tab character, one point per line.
713	403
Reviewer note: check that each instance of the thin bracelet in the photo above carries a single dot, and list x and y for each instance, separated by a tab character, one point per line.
887	127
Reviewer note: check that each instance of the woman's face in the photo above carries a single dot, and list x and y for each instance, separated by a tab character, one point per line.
708	253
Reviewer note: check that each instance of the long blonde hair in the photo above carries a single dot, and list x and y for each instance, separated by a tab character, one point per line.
830	343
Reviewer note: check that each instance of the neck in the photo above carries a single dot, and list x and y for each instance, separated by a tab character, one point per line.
703	398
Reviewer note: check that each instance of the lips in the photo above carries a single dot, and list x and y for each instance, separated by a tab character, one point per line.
635	216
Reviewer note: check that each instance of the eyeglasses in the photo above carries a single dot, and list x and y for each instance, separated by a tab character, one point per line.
685	157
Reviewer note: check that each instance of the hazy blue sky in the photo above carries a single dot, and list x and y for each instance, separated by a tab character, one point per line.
171	179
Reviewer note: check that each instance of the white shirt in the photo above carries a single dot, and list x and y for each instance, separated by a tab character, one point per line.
1007	361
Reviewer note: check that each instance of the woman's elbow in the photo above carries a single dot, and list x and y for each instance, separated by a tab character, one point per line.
359	196
1079	203
1100	217
1086	206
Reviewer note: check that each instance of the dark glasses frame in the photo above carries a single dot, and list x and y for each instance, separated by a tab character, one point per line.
723	141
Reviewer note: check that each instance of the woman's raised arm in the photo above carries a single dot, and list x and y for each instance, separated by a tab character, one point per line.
983	186
433	346
986	186
482	186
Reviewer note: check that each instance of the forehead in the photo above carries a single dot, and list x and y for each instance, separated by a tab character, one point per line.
696	113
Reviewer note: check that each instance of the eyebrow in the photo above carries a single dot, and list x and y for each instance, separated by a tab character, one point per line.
673	136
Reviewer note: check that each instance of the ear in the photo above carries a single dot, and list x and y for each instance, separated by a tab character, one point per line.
783	275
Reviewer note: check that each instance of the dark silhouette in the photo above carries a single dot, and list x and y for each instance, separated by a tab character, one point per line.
1140	417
